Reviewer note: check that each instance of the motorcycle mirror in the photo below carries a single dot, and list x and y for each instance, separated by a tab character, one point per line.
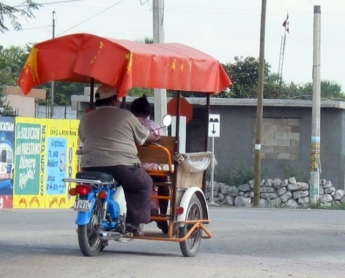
167	119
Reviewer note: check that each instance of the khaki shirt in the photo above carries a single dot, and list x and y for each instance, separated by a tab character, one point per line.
109	136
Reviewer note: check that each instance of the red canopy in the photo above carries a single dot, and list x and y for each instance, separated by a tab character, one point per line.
122	64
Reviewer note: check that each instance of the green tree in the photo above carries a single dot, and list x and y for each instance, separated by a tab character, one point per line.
12	61
329	91
244	74
25	10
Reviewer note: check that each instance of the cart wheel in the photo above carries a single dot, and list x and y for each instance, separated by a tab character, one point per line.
191	245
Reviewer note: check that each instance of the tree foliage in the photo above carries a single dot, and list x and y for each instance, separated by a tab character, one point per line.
11	63
25	10
244	73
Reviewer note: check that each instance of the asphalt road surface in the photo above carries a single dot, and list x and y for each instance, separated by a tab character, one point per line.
245	243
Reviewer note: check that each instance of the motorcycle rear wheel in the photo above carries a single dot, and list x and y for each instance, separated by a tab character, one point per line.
89	242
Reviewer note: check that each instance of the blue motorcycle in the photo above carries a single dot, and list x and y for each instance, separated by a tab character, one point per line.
101	206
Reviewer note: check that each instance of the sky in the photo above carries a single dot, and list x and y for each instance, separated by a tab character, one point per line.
223	29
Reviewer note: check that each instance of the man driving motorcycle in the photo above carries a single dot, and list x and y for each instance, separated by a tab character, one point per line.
109	136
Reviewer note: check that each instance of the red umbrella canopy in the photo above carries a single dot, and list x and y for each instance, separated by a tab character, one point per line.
122	64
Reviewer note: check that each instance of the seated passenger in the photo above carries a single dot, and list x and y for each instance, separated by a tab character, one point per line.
140	107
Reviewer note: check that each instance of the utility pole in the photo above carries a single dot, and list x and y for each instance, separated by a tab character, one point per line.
259	110
315	164
160	108
52	83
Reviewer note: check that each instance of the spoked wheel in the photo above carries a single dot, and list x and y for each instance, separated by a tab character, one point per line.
191	246
89	243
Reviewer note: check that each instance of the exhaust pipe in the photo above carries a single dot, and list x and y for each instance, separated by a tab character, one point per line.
109	235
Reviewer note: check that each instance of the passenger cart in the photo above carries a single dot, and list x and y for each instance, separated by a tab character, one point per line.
124	64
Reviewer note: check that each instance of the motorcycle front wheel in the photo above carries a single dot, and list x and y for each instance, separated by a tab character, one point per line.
89	242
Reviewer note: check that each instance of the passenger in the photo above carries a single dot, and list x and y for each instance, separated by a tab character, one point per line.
109	136
140	107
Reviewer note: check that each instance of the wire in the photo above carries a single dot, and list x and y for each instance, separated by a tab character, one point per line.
49	3
148	2
92	17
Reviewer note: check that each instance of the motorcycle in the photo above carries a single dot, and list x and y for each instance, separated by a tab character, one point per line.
101	207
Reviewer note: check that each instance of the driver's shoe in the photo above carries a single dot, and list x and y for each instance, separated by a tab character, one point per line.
131	228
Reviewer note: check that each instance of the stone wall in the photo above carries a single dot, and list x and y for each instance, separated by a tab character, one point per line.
274	193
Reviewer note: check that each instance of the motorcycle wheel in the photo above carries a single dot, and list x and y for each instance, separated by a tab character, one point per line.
191	245
89	242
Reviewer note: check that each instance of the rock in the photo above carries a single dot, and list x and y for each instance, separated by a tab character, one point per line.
277	183
325	198
281	190
221	197
291	204
303	185
241	201
284	183
285	197
244	187
269	195
293	187
275	203
268	189
224	189
300	194
292	180
303	201
233	191
217	186
329	190
229	200
326	184
263	203
321	190
342	200
268	182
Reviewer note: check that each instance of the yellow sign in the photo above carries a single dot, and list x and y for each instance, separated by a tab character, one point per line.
44	155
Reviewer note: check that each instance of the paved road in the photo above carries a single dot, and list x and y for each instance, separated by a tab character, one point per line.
245	243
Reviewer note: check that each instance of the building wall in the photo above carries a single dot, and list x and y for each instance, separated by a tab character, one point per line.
25	106
234	149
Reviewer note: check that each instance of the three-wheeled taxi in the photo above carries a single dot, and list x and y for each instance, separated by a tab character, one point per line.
124	64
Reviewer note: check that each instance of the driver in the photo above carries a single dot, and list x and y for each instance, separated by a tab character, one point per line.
109	136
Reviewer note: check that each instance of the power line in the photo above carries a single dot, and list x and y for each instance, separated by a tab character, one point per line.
49	3
92	17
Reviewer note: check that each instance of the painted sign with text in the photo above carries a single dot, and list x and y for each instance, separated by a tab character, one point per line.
46	155
6	160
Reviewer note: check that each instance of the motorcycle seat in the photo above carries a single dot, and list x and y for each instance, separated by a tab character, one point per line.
103	177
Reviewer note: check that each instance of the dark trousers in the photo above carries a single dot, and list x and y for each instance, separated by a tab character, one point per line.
137	185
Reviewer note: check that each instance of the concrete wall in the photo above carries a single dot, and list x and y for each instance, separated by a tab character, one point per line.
234	149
